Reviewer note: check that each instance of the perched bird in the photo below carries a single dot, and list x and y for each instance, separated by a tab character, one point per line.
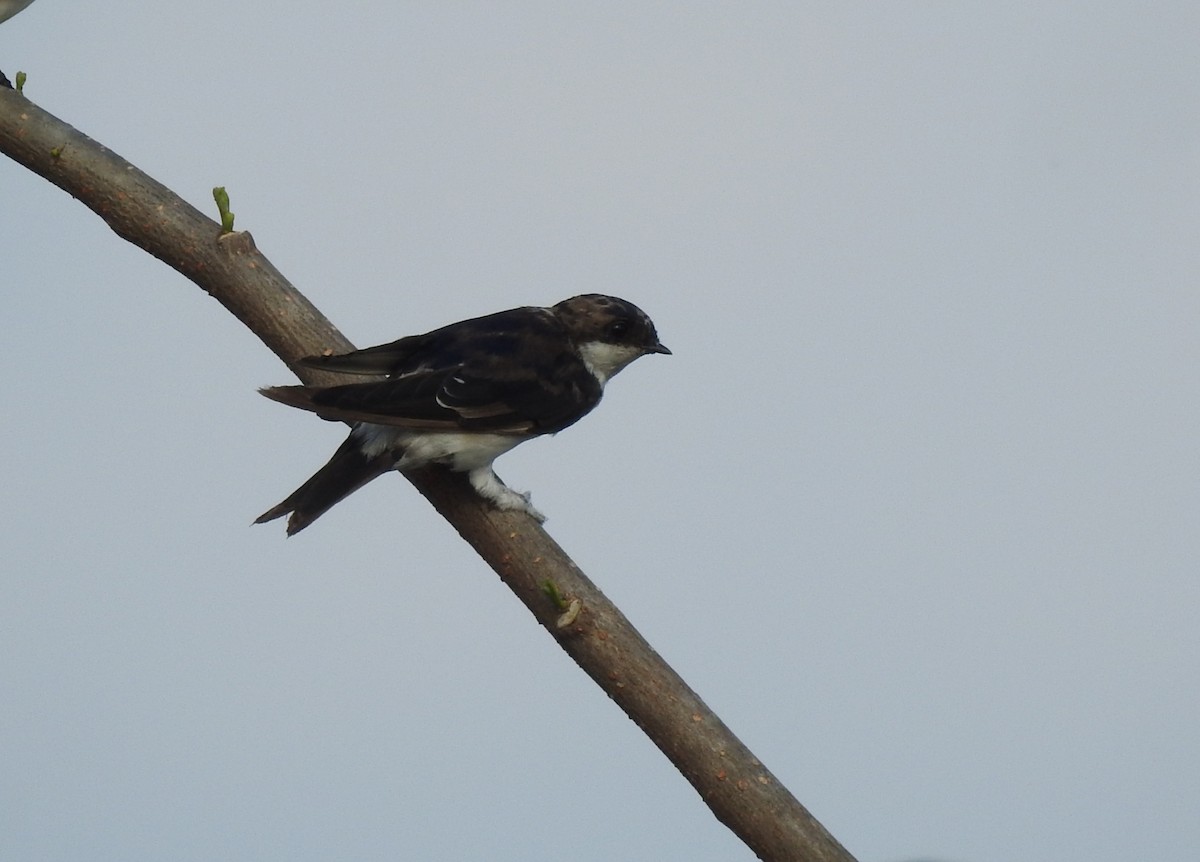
464	394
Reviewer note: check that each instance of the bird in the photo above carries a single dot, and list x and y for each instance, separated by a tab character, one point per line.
464	394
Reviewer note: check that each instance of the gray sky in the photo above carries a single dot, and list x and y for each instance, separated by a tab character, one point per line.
914	506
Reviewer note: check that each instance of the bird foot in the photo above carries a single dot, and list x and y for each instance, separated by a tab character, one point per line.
489	486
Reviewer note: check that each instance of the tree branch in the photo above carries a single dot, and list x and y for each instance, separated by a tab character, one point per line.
741	792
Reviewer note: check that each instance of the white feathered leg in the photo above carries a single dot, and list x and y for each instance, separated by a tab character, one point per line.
489	486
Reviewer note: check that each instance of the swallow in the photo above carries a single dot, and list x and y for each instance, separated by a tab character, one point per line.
464	394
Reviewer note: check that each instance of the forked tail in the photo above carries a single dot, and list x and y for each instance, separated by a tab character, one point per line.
347	471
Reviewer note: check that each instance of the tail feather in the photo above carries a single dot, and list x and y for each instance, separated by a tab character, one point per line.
347	471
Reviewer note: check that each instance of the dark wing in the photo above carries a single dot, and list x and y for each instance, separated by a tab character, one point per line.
392	359
406	402
513	372
452	401
501	334
525	381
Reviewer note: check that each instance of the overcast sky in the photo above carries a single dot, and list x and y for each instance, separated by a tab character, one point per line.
915	505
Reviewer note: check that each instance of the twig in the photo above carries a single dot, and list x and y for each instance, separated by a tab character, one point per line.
741	792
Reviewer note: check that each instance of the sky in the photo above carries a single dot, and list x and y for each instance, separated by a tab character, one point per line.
914	506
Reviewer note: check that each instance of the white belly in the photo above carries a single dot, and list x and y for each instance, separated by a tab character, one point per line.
456	449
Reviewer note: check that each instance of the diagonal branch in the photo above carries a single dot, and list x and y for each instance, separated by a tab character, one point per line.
741	792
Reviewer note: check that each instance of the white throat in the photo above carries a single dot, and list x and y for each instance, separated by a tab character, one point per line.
604	360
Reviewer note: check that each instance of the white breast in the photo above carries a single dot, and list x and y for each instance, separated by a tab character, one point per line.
457	450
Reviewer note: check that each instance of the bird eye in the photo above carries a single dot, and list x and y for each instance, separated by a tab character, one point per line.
618	328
